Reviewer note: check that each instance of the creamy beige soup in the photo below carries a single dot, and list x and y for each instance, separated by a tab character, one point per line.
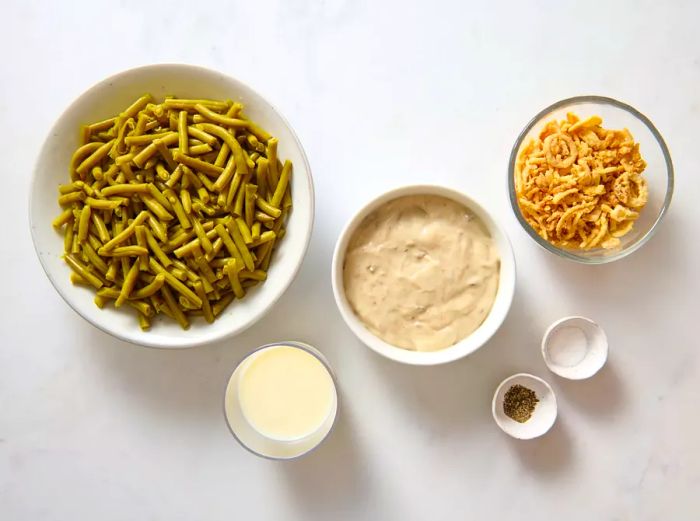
421	272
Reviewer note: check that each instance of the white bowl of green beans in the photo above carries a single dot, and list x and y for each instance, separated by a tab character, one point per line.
195	252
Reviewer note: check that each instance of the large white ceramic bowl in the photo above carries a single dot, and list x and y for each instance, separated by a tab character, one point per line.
478	338
108	98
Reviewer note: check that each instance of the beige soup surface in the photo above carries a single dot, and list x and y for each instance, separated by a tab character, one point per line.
421	272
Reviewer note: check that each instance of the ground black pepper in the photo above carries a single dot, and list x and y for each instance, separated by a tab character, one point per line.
519	403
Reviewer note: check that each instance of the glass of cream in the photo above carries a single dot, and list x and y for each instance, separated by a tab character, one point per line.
281	400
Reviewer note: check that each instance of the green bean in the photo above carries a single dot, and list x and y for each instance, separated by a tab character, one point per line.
82	153
73	197
268	208
234	145
220	119
189	104
198	164
82	270
100	227
245	231
144	322
249	203
174	177
222	304
102	204
255	231
240	198
155	207
263	217
202	235
262	252
158	228
261	173
142	307
84	224
65	217
127	232
150	288
102	125
189	274
174	307
273	176
125	189
249	162
264	237
156	249
68	238
186	199
182	132
94	242
136	106
200	150
206	307
146	139
94	158
178	273
255	275
203	136
164	151
118	147
174	283
257	131
216	248
206	183
178	209
282	184
240	244
223	180
111	274
141	158
94	258
163	174
201	263
231	270
124	251
143	243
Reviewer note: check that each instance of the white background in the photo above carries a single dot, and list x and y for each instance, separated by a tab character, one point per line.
381	93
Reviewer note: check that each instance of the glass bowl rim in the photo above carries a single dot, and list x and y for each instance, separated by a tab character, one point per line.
604	100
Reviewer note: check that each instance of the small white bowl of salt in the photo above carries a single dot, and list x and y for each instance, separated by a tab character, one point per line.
575	348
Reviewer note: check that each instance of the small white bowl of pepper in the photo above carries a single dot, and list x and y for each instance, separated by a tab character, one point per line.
524	406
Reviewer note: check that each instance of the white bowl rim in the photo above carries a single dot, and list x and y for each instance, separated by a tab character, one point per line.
194	342
466	346
567	254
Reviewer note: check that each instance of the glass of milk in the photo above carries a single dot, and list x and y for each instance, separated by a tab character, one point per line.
281	400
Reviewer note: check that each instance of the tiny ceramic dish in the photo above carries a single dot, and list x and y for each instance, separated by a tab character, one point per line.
575	348
108	98
543	417
494	319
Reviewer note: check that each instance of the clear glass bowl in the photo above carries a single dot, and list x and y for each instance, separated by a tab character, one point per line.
659	171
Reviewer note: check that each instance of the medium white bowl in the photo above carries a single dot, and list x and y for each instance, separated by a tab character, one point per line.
478	338
111	96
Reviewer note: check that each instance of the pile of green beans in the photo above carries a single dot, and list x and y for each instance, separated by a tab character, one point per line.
174	208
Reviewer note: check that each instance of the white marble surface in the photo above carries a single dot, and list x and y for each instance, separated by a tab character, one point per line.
381	94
